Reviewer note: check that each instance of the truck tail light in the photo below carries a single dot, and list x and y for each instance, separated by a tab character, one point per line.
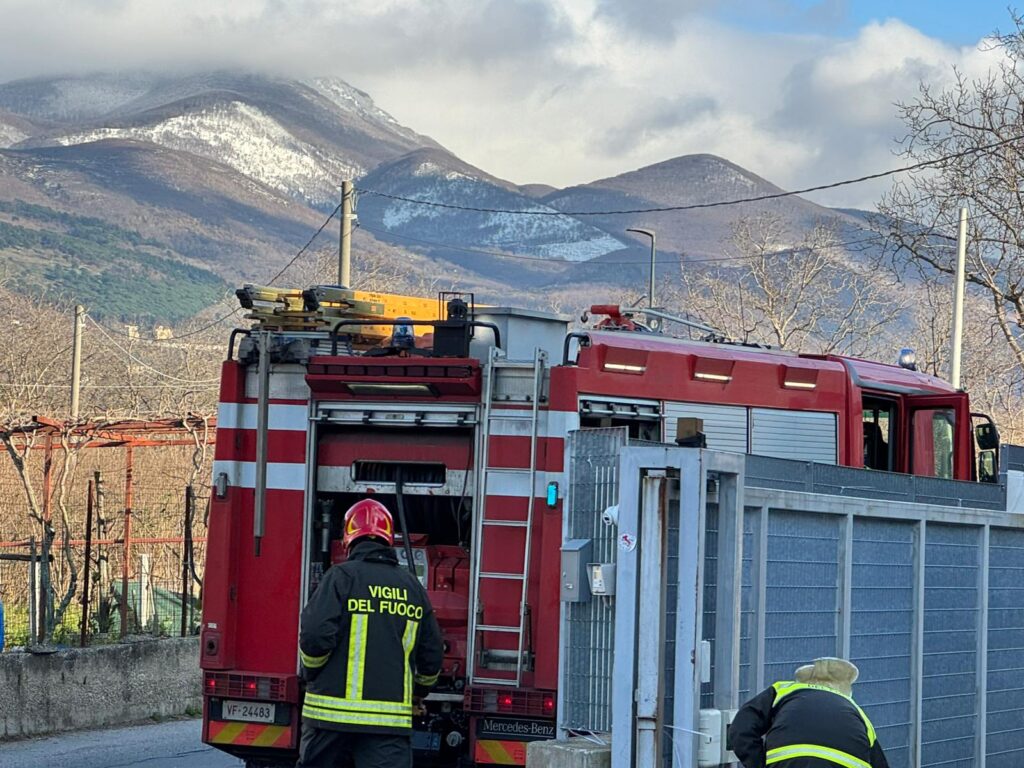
242	686
530	703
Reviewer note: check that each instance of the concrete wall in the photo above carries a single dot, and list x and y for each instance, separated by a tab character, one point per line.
94	687
572	753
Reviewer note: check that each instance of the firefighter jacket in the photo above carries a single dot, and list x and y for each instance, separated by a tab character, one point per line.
368	641
798	725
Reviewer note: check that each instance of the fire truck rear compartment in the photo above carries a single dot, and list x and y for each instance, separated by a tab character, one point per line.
435	469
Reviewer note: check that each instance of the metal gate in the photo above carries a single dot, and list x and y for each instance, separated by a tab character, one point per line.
587	628
926	598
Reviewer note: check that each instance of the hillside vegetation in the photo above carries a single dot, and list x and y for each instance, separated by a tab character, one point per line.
118	273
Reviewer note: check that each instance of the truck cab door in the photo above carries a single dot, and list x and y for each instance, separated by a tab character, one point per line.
938	428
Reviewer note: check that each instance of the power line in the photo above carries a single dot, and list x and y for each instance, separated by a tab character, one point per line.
284	269
303	249
205	388
699	206
146	365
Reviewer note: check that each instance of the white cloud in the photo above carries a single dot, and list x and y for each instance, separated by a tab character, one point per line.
554	91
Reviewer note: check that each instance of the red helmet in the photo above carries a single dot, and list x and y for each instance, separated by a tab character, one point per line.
368	518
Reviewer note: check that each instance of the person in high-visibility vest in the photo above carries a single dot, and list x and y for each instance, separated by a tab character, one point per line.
369	645
810	722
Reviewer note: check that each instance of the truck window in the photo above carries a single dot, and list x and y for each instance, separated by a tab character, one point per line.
933	430
879	434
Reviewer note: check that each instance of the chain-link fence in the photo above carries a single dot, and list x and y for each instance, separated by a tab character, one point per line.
118	535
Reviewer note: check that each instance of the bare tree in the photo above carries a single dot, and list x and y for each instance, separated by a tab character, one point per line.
806	294
972	134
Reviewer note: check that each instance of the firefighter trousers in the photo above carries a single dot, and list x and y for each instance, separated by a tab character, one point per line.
324	748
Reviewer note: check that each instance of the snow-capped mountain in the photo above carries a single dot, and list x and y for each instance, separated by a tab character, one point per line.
300	138
437	176
229	173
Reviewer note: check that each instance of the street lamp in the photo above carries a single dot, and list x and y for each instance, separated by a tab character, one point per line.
650	234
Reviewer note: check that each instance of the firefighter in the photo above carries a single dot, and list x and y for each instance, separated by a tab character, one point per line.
370	648
810	723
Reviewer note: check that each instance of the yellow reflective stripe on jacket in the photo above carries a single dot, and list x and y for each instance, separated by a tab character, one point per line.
408	643
356	656
360	705
812	750
313	662
871	728
426	679
356	718
783	689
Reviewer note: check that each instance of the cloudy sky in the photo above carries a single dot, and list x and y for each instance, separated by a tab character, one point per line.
564	91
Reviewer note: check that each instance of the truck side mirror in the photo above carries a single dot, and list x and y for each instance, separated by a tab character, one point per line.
988	466
987	436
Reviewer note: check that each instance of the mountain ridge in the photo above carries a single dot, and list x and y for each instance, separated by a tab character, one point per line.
231	172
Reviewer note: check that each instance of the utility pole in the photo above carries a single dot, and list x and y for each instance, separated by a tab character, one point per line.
650	234
76	360
345	239
958	301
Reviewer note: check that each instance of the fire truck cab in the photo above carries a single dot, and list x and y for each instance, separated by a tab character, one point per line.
458	424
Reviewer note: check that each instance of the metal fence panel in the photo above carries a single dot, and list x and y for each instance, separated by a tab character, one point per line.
882	629
588	629
801	598
1005	678
707	690
949	693
748	609
673	741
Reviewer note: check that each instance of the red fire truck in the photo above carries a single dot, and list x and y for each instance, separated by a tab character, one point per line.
459	425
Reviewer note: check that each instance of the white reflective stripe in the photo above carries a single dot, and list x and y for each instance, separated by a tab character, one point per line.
243	416
516	422
356	656
516	482
408	643
287	382
812	750
281	476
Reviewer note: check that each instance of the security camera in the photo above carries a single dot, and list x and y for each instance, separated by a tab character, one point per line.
611	515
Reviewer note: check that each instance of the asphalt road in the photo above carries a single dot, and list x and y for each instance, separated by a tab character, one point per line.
173	744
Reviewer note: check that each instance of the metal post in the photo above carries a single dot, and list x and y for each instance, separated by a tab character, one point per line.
85	567
262	414
103	585
33	596
650	615
958	301
47	540
145	614
729	592
126	544
345	239
649	233
185	549
76	360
